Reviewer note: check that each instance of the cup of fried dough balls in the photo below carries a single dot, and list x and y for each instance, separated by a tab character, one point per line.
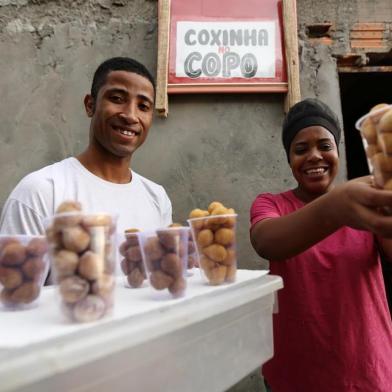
376	132
24	265
214	232
132	261
165	257
82	250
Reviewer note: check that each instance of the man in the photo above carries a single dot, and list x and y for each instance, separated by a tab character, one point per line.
121	107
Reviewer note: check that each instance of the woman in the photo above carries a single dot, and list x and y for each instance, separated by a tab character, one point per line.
333	330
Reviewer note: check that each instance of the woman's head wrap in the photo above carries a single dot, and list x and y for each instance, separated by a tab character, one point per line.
307	113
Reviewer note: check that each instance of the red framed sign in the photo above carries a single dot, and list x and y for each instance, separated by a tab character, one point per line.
209	46
226	46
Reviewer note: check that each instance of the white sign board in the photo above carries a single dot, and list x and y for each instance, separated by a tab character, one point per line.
225	49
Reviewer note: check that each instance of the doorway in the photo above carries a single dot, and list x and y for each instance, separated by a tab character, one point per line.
360	91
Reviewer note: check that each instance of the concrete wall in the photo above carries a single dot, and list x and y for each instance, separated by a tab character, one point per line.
211	147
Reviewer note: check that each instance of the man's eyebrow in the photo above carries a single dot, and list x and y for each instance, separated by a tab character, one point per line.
117	90
146	98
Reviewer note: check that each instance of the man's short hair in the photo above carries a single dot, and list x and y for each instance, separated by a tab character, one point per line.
118	64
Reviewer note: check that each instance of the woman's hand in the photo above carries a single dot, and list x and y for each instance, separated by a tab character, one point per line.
362	206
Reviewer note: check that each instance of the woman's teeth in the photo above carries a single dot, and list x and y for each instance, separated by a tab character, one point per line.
315	171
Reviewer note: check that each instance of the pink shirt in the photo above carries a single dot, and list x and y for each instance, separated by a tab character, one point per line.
333	331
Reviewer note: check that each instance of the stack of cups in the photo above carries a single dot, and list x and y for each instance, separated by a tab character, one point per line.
82	249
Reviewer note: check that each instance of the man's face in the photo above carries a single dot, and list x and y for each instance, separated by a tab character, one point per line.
122	113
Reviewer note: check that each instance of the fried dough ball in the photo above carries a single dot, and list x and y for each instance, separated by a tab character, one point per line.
153	249
385	142
37	247
216	275
131	237
178	287
69	216
91	265
215	252
75	239
205	238
97	220
133	254
176	225
230	258
26	293
13	254
224	236
160	281
33	268
372	149
69	206
10	278
65	263
382	162
215	205
88	309
169	239
231	273
197	213
135	278
73	289
377	108
206	263
368	130
125	266
103	286
385	124
171	264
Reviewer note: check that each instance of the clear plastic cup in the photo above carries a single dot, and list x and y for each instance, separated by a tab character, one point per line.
82	250
165	257
376	132
24	266
215	238
131	263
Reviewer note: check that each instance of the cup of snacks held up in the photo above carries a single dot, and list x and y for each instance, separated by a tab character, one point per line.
82	252
24	265
132	263
376	132
165	257
214	232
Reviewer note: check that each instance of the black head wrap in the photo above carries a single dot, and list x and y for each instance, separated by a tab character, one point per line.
305	114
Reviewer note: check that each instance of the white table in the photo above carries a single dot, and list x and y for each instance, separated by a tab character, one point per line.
203	342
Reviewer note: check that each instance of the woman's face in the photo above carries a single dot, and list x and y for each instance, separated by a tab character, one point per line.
314	161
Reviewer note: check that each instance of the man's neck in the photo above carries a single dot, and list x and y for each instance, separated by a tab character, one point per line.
107	167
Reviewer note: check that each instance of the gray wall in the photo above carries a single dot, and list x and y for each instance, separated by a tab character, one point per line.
211	147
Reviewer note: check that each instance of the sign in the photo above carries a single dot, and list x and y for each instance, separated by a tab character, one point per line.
225	50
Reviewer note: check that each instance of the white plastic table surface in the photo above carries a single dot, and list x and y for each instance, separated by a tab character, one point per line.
205	341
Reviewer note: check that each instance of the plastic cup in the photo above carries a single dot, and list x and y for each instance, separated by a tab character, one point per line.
215	238
82	251
24	265
131	264
165	258
376	132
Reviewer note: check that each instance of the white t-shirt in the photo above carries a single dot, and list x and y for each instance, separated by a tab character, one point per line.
140	204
